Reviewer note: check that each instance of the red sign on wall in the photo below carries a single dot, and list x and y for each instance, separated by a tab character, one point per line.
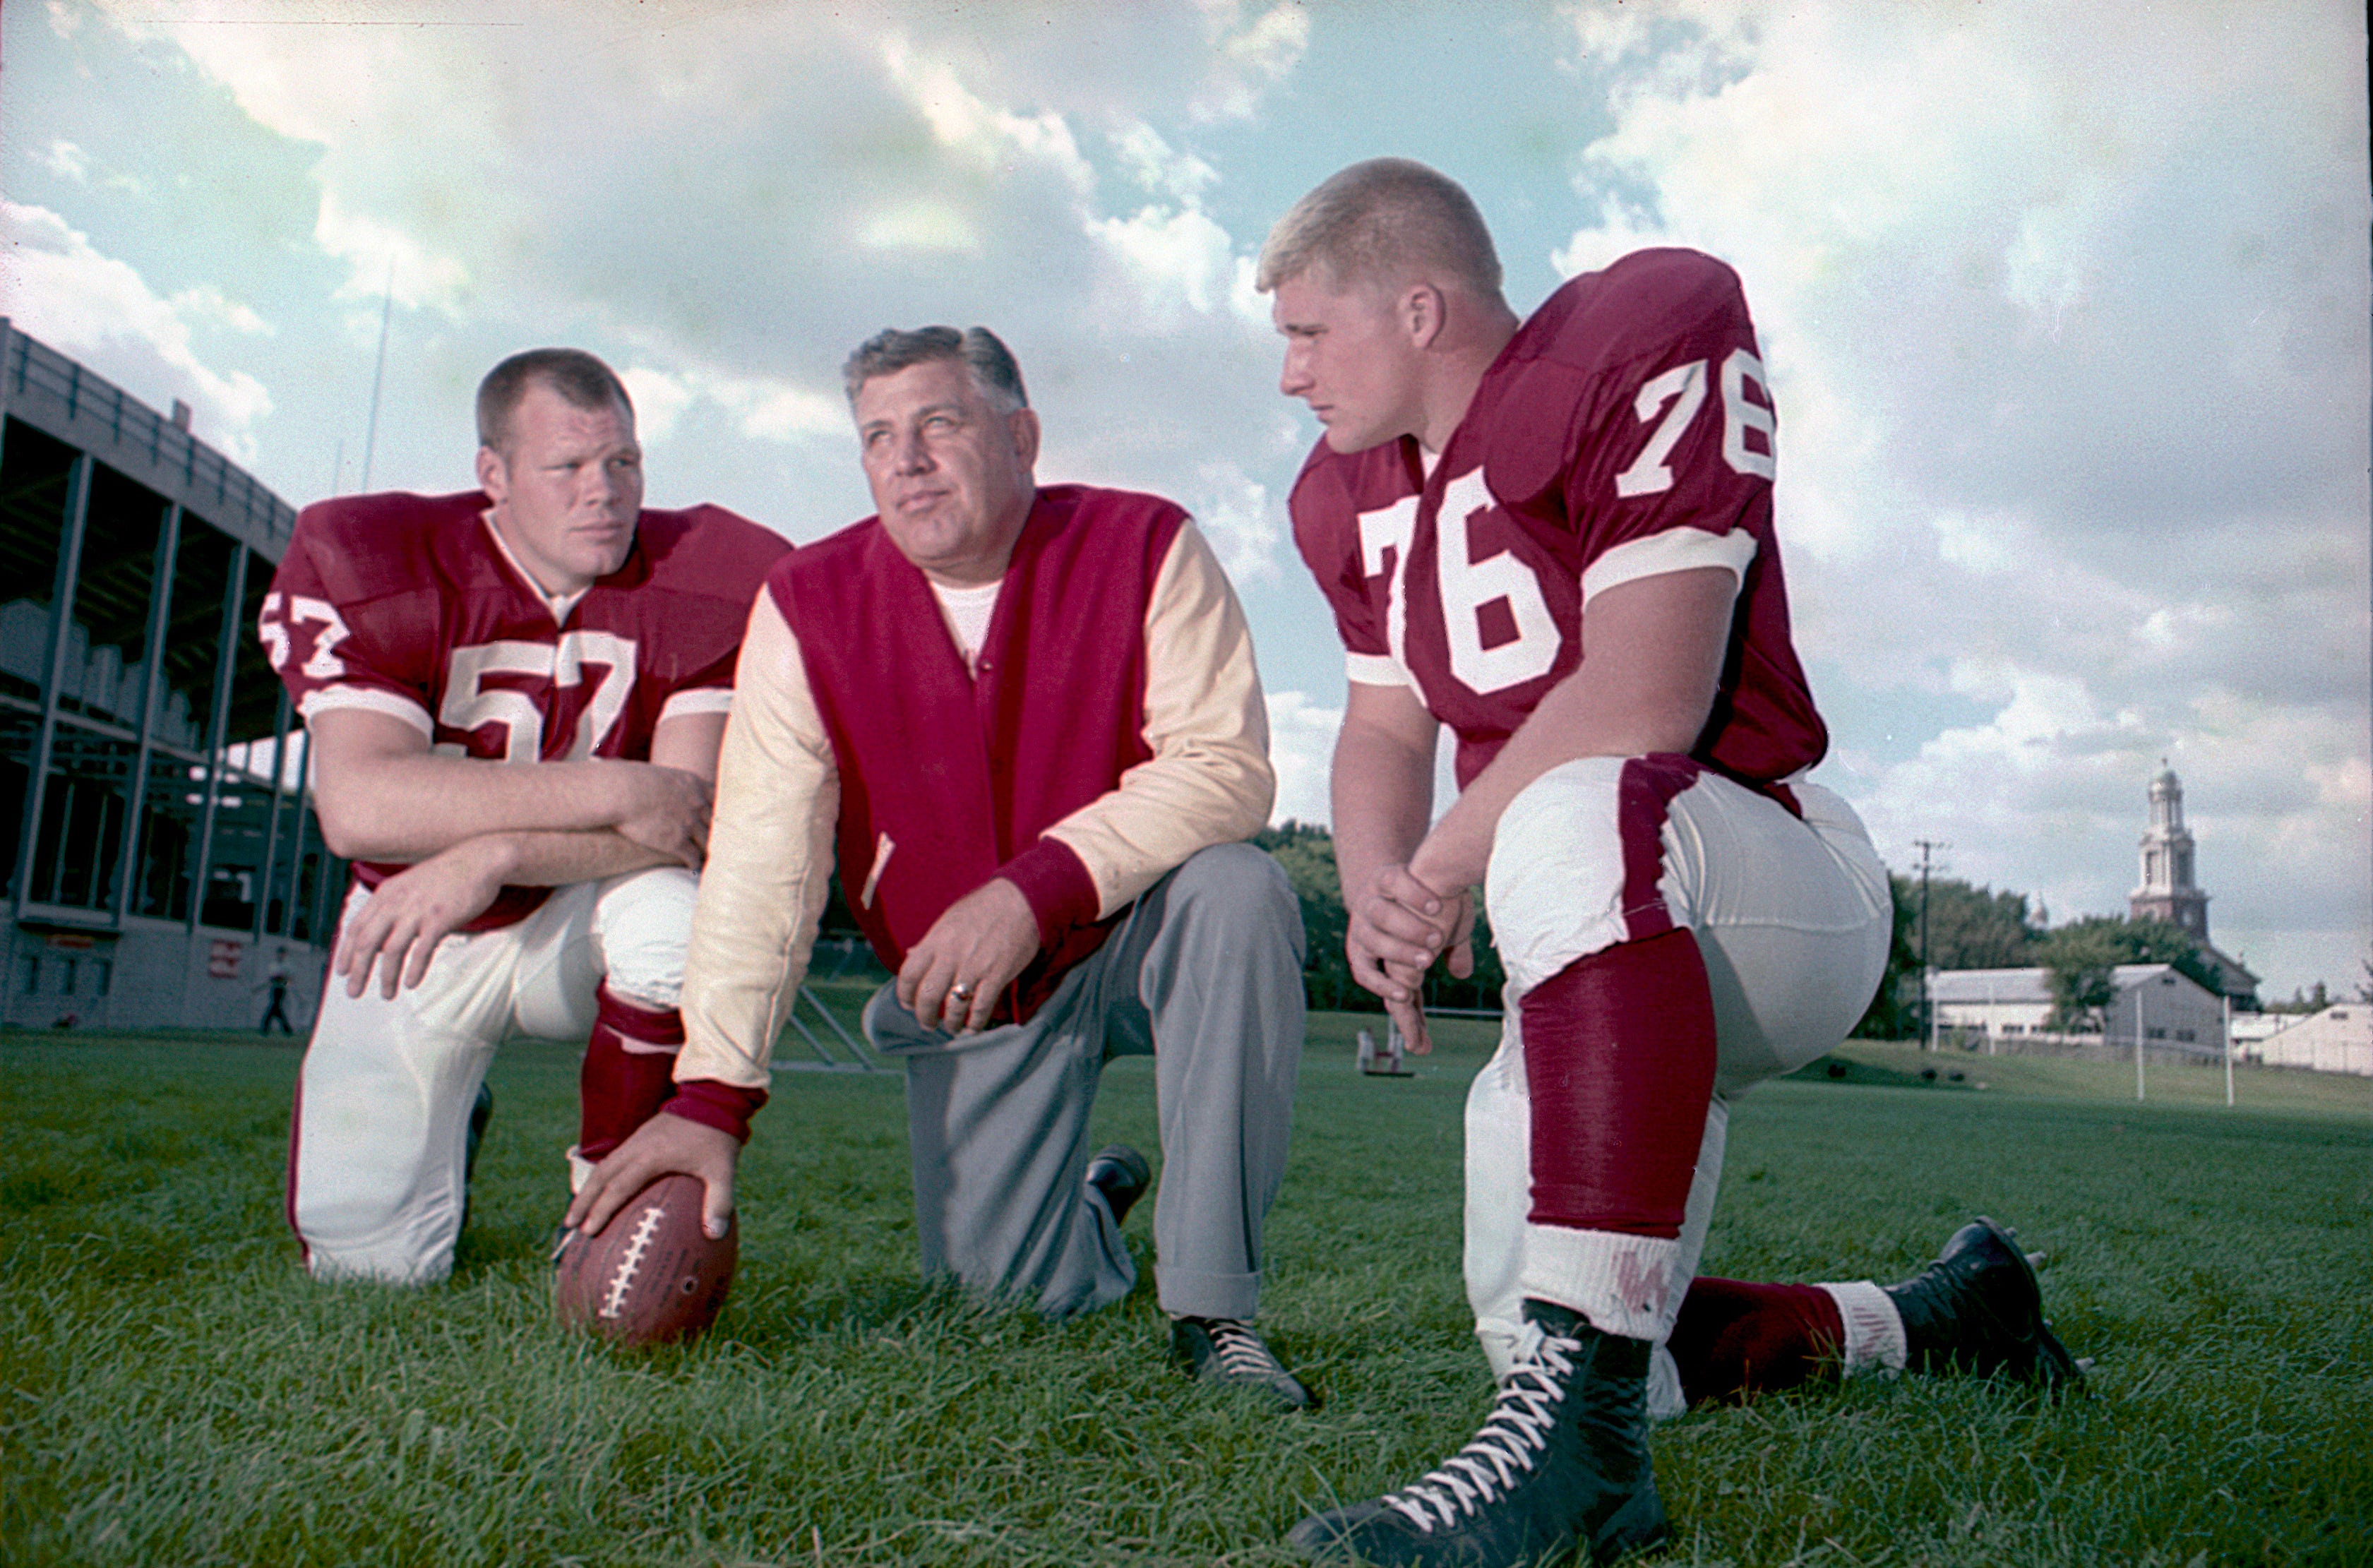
222	963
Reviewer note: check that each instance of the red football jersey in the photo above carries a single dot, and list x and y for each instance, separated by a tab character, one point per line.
1624	431
409	606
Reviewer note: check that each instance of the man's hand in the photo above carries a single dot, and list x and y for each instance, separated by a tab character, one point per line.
671	814
1397	928
410	912
952	979
662	1145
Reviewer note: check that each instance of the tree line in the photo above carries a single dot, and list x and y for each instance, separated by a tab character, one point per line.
1978	928
1968	928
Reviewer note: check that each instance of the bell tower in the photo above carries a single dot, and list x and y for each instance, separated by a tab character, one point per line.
2167	892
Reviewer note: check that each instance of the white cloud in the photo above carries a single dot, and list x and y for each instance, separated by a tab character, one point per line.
762	408
1251	54
1246	529
921	226
1155	165
986	138
64	159
1302	748
208	303
1173	266
63	292
2072	358
660	400
388	259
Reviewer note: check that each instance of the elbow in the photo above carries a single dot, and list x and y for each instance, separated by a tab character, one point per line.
343	831
342	843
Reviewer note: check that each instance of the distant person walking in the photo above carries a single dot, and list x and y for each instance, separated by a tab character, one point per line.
277	1008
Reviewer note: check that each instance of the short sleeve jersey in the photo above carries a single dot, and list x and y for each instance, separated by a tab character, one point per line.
409	606
1624	432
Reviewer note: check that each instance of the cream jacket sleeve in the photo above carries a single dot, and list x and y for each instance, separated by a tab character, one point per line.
770	853
1210	780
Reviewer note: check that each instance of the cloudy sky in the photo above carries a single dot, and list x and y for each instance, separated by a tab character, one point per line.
2066	309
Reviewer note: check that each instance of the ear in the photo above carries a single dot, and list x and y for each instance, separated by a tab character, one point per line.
1422	311
493	477
1023	425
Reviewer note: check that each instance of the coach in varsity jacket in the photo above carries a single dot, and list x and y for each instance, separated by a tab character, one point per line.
1028	723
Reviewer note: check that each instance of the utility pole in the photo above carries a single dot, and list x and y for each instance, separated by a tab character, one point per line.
1927	1006
378	373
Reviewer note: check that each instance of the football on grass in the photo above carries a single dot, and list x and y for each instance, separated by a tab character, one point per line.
649	1277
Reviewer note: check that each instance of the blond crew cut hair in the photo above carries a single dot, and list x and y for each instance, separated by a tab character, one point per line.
1383	222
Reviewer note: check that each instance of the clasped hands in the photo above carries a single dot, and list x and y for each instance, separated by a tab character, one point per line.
1399	927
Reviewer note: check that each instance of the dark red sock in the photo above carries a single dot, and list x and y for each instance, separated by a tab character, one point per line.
1733	1338
1620	1057
629	1073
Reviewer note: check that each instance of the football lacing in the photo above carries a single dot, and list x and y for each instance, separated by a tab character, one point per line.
1502	1452
613	1299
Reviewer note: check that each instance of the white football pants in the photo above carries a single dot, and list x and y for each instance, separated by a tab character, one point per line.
1793	917
383	1098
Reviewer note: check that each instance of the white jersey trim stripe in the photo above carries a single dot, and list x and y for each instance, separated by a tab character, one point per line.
699	699
371	700
1376	669
1675	550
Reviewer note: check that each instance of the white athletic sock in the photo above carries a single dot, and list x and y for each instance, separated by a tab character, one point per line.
1873	1328
1623	1285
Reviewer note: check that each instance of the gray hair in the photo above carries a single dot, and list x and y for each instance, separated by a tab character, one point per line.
581	379
1385	221
892	350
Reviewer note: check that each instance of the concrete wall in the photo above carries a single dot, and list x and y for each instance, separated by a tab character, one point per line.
152	975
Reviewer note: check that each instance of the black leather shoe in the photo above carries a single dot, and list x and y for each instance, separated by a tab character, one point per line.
1562	1464
1121	1174
1979	1309
482	1111
1228	1352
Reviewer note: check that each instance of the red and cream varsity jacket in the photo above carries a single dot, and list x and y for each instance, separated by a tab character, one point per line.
1115	727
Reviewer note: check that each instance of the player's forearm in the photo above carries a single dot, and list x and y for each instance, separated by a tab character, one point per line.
408	808
1382	791
563	859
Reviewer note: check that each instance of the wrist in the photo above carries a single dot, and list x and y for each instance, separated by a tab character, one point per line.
1437	868
496	855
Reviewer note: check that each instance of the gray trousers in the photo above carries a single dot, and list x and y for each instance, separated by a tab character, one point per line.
1205	976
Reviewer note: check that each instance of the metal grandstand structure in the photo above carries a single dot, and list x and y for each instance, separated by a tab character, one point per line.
157	858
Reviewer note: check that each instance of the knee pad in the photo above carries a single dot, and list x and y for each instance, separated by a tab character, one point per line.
643	923
1555	885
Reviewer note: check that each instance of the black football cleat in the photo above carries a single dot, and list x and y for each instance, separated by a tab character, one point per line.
1562	1465
482	1111
1121	1174
1979	1309
1228	1352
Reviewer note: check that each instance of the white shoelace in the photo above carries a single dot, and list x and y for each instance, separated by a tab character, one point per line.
1502	1452
1240	1351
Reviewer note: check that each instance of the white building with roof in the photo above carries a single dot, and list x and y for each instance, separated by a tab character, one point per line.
2172	1015
2338	1039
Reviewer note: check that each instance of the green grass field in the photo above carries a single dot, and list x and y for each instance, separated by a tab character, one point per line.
177	1392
